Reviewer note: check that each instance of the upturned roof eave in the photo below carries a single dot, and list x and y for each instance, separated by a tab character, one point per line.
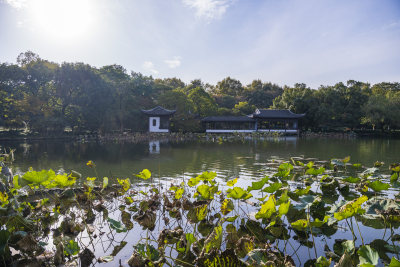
158	111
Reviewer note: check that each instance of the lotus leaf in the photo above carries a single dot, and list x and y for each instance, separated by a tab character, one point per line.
322	262
273	187
206	191
105	182
38	177
368	255
315	172
257	185
284	208
71	248
394	262
302	191
352	180
232	182
351	208
179	192
267	209
238	193
116	225
145	174
378	186
227	206
214	240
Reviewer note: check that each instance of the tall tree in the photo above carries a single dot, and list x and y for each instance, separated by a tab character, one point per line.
204	104
184	119
299	99
229	86
262	94
118	79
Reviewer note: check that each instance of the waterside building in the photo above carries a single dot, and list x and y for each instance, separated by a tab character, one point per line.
262	120
159	119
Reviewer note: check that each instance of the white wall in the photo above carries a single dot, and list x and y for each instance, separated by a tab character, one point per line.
229	131
156	128
278	131
249	131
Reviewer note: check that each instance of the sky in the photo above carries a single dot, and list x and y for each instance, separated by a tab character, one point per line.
316	42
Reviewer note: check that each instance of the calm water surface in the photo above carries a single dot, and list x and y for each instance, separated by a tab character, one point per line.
245	159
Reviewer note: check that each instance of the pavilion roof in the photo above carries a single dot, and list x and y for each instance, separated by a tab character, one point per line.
158	111
276	114
228	118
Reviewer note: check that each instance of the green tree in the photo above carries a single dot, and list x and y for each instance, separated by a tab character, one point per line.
262	94
244	108
85	97
225	101
184	119
204	104
375	111
229	86
171	83
11	90
118	79
299	99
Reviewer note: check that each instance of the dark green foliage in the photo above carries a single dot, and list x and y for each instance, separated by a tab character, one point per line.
46	98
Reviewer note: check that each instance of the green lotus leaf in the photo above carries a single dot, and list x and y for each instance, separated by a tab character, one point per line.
378	186
352	180
232	182
300	225
368	255
273	187
206	191
267	209
283	208
179	192
302	191
116	225
71	248
322	262
394	262
227	206
315	172
145	174
257	185
214	240
238	193
38	177
351	208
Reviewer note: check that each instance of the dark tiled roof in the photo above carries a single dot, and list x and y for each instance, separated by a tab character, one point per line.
228	118
276	114
158	111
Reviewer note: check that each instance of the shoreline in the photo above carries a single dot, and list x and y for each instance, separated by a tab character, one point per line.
145	136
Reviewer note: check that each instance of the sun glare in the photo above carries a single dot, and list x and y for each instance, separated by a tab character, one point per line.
63	20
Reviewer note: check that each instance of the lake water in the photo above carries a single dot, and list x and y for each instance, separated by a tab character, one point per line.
247	159
243	159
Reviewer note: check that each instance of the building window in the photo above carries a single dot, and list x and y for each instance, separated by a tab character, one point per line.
154	122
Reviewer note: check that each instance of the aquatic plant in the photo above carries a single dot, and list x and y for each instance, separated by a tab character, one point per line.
302	213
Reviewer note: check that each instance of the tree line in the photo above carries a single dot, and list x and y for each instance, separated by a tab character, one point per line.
47	97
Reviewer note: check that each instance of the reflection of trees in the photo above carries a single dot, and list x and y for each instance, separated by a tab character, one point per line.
229	159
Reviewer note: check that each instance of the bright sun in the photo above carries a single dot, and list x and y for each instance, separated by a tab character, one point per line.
63	20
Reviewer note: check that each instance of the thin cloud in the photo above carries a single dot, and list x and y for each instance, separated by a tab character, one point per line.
173	63
18	4
392	25
209	9
149	66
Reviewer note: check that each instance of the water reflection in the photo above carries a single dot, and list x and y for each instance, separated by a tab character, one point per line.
245	159
154	147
